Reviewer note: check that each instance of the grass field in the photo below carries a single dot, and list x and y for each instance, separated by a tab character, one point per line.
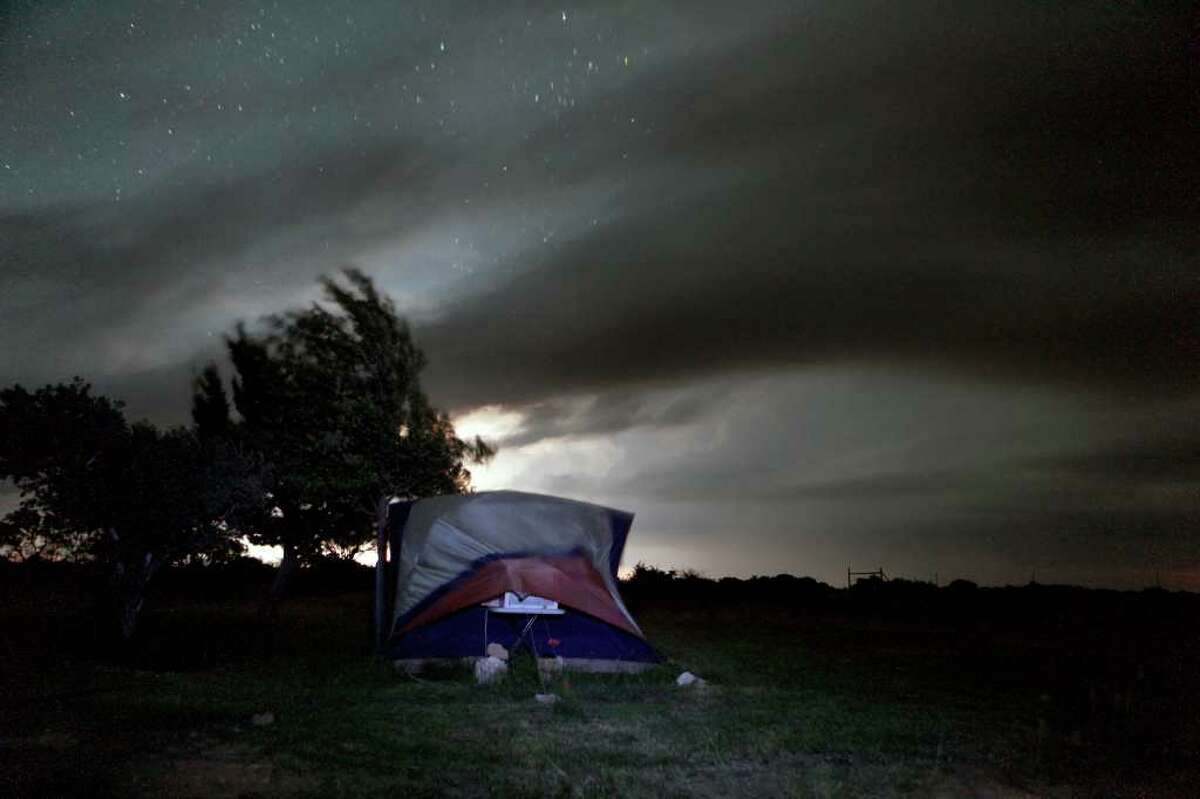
797	703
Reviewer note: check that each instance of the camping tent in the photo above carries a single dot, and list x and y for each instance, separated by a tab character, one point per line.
510	568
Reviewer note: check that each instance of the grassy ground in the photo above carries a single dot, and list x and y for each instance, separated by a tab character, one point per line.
796	705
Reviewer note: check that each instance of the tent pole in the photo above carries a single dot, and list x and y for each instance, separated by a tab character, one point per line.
381	545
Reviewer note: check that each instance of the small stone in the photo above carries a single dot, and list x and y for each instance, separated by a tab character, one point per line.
262	719
545	699
685	679
548	667
489	669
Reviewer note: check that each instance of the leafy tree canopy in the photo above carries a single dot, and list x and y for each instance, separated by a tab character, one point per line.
94	487
330	397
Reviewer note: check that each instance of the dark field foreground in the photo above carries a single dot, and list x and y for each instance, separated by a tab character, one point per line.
862	693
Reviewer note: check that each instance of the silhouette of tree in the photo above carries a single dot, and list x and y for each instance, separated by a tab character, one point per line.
330	397
130	497
210	404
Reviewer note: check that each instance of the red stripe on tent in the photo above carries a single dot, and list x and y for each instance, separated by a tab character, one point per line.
571	580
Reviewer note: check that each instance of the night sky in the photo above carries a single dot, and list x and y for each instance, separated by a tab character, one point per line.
911	285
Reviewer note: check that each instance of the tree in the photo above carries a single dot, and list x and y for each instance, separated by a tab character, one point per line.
210	404
331	398
130	497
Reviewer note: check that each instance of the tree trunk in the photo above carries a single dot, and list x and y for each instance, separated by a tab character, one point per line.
283	576
270	607
279	586
130	590
128	609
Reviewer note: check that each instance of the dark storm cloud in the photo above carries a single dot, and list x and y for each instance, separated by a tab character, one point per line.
880	440
810	469
114	286
986	196
1006	194
599	414
660	236
1140	478
1174	459
104	266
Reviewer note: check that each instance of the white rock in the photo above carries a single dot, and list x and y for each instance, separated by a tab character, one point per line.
545	699
548	667
687	678
489	669
262	719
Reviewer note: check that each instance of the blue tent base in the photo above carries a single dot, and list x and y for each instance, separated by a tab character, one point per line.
575	637
547	666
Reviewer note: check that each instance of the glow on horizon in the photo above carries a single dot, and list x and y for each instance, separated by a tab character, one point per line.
492	423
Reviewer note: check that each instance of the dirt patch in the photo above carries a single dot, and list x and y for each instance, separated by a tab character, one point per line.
219	772
798	775
830	776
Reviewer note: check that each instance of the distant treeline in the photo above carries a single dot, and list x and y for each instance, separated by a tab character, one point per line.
66	584
901	598
234	579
